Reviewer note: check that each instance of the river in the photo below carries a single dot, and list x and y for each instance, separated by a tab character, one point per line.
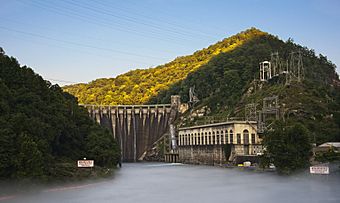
174	183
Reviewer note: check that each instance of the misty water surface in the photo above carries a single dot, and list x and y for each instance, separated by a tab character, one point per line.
157	182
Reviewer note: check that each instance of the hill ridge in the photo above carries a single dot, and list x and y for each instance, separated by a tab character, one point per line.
138	86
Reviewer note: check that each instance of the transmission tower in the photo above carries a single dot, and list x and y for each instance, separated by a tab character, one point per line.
193	99
270	107
287	73
265	71
296	70
292	68
250	112
275	64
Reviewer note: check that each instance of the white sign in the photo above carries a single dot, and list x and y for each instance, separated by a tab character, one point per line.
247	164
319	169
85	163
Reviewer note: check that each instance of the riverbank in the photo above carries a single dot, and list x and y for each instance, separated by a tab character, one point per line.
77	179
60	174
69	171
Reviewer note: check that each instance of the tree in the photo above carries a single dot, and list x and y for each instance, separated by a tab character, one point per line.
42	127
29	161
102	148
287	147
7	151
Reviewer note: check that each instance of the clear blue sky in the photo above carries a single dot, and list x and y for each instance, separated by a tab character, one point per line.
79	41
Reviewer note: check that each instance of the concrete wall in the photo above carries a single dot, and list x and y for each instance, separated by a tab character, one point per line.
212	154
207	155
135	127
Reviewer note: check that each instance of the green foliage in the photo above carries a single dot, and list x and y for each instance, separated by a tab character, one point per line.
102	148
40	125
223	81
328	156
226	84
287	147
314	104
29	160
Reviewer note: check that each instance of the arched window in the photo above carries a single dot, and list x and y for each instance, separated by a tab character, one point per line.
226	141
195	142
218	137
180	140
222	137
231	134
238	137
213	137
188	139
192	139
245	136
209	138
199	139
205	138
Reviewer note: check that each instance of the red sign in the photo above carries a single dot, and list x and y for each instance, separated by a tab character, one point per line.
85	163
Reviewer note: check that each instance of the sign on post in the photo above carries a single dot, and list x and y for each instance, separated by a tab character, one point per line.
85	163
319	169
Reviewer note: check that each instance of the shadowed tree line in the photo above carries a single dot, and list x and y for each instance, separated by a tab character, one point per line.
42	127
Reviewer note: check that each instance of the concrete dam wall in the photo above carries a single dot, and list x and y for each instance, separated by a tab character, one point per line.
136	127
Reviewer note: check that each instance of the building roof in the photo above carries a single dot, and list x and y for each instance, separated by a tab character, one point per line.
264	62
330	144
218	124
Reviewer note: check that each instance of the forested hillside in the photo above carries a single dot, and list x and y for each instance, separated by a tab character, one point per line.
138	86
226	84
42	128
224	78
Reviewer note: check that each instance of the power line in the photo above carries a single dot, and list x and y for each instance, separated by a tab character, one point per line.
128	10
65	11
70	33
62	81
78	44
165	12
126	18
40	43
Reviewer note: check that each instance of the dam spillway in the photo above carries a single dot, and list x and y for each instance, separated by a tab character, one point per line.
135	127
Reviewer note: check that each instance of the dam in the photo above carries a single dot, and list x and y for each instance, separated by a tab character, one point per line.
136	127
